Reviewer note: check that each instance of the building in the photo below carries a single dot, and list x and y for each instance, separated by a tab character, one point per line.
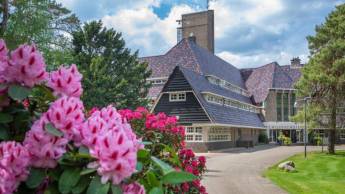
199	25
272	89
207	94
220	105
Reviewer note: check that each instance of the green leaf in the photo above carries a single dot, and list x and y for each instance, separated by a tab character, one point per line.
87	171
17	92
69	179
5	118
156	190
139	166
178	177
146	143
152	179
116	189
52	130
35	178
4	135
166	168
96	187
81	185
143	154
83	150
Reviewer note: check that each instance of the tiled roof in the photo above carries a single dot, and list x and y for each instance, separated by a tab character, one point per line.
200	83
154	91
189	55
221	114
259	80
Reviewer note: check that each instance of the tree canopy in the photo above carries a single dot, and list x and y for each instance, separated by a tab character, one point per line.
323	78
112	74
44	22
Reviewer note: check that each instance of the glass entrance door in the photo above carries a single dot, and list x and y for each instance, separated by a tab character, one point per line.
273	136
299	135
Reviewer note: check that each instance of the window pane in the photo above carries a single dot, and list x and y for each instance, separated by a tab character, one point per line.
286	106
279	106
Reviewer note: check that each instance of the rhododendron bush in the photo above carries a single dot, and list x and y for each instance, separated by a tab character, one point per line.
51	144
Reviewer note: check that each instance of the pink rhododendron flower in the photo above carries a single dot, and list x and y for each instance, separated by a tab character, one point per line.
45	149
66	114
116	156
91	130
66	81
3	60
8	182
112	142
133	188
26	66
14	162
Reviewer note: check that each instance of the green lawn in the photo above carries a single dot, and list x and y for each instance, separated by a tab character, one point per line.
319	173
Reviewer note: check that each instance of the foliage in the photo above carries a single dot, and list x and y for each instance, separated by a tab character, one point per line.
51	144
284	139
263	137
324	76
44	22
320	173
111	72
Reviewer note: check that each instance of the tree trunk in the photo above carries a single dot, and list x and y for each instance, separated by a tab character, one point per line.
5	16
333	123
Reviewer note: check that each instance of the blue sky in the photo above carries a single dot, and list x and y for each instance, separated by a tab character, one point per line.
248	33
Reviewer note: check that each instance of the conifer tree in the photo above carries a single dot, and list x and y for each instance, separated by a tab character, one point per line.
112	74
324	76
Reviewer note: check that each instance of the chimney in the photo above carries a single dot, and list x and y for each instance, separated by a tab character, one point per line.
295	62
201	25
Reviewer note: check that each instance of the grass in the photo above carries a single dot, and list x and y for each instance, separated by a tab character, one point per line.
320	173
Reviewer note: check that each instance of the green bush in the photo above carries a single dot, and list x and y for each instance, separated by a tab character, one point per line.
263	138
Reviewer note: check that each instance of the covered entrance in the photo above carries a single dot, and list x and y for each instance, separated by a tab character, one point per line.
288	129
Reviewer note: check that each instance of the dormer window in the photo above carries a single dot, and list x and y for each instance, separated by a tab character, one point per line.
177	97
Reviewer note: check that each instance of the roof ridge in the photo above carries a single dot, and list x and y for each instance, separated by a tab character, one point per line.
194	56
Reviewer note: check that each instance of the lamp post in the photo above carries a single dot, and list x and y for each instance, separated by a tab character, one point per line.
305	100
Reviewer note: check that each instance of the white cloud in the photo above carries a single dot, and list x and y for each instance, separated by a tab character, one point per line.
145	30
255	60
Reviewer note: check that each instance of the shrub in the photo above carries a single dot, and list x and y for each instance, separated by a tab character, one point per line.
284	140
263	137
51	144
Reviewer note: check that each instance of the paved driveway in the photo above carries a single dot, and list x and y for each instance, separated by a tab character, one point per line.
240	171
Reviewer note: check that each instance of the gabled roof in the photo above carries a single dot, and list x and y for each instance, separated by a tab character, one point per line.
259	80
189	55
220	114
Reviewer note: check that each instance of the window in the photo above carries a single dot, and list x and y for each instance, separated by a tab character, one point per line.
193	134
286	106
230	102
155	81
279	106
177	97
292	104
342	134
219	134
224	84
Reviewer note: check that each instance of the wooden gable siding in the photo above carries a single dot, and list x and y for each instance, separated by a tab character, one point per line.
177	82
189	111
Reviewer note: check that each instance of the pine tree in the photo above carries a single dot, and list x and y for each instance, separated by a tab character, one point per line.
112	74
324	76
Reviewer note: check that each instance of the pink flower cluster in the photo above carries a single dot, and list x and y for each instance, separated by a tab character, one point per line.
66	81
112	142
26	66
194	165
14	162
133	188
160	122
66	115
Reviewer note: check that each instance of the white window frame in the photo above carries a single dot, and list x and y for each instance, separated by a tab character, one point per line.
180	96
194	134
219	134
